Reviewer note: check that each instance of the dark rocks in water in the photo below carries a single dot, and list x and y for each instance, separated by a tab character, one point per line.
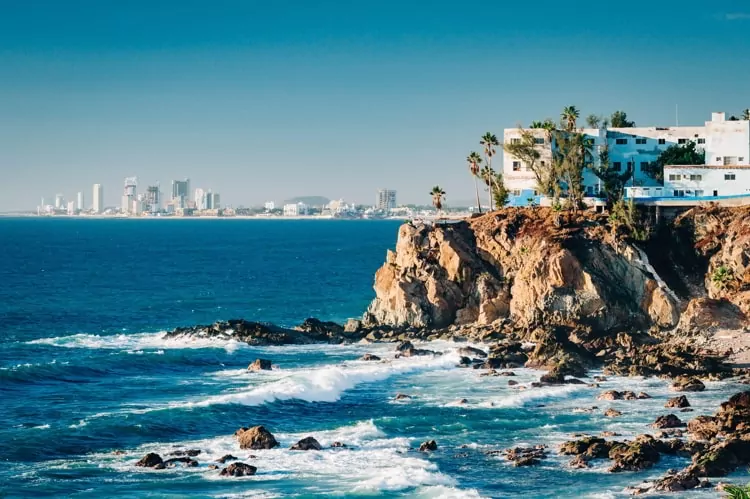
579	462
512	382
260	365
677	402
468	351
238	470
593	447
189	452
640	454
406	349
150	460
526	461
338	445
429	445
688	384
643	396
402	396
322	331
307	443
464	362
668	421
526	456
610	395
255	438
369	357
703	427
612	413
186	461
462	401
676	482
225	458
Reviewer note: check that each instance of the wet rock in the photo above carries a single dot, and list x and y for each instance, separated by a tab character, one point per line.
255	438
260	365
579	462
612	413
150	460
225	458
159	466
677	482
600	447
526	461
638	455
307	443
429	445
369	357
468	351
677	402
189	452
338	445
464	362
185	461
512	382
628	395
610	395
687	384
585	410
462	401
643	396
703	427
238	470
402	396
506	373
668	421
212	467
610	434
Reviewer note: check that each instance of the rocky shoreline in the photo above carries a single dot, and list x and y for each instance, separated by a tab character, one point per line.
567	299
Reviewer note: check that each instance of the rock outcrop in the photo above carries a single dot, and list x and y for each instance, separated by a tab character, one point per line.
517	264
255	438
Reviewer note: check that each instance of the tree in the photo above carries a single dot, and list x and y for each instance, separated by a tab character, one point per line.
612	180
569	118
593	121
500	193
489	141
619	119
437	194
488	176
573	154
678	154
474	161
746	114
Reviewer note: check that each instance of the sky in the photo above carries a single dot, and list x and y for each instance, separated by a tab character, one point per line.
269	100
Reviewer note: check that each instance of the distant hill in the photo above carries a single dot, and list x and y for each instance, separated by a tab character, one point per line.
309	200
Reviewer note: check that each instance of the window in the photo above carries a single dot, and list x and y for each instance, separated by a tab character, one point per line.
644	165
516	166
630	165
682	141
674	178
516	192
718	158
640	141
539	140
515	140
741	159
696	178
679	193
617	165
729	176
698	193
621	141
701	141
662	141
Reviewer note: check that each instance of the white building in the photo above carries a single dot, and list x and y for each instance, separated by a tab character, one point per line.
200	199
80	201
295	209
269	206
59	202
726	143
71	208
386	200
98	197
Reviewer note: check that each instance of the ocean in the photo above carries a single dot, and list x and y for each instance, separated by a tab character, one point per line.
88	385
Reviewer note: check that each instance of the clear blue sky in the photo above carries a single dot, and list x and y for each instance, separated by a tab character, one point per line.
268	100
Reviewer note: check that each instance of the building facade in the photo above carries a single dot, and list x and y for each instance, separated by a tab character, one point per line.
726	143
79	198
181	193
129	194
98	198
295	209
386	200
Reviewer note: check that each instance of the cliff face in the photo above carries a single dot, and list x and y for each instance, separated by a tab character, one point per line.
517	264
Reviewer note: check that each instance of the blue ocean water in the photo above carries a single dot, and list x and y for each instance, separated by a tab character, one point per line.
88	385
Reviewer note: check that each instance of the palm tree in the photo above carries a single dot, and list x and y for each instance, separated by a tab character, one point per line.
569	117
489	141
737	492
437	194
488	176
746	114
474	161
593	121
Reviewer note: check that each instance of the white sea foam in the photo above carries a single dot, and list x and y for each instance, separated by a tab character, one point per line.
136	343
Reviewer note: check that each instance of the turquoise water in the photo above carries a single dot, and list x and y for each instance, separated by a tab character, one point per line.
89	386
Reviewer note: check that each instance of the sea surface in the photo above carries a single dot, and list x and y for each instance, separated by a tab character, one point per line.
88	385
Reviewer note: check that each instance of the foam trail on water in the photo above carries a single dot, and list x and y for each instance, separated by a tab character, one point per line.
136	342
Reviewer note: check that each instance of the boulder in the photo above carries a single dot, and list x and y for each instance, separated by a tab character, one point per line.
668	421
643	396
638	455
703	427
526	461
150	460
402	396
687	384
260	365
185	461
369	357
256	438
429	445
338	445
677	402
307	443
238	469
472	352
610	395
612	413
225	458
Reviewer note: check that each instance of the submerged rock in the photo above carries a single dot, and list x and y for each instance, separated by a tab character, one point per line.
369	357
256	438
238	470
260	365
225	458
150	460
429	445
307	443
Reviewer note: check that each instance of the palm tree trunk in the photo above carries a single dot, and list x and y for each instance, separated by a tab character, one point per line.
476	187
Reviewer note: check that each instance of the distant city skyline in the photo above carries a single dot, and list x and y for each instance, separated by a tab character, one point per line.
269	101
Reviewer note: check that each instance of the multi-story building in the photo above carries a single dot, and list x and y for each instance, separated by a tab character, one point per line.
59	202
129	194
71	208
269	206
295	209
152	199
181	193
200	199
726	143
80	201
386	200
98	197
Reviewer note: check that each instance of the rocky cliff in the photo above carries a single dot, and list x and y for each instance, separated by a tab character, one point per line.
525	266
